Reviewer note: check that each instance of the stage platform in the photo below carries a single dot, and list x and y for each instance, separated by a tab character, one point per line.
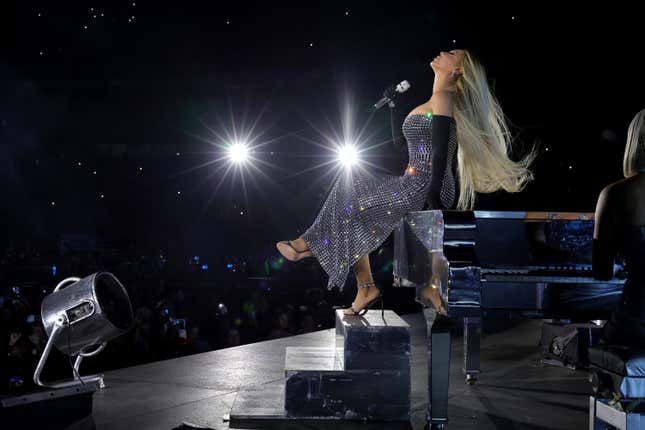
513	391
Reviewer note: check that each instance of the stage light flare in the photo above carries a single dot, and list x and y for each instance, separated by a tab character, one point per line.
348	155
238	152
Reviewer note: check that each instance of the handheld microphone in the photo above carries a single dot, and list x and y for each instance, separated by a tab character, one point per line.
391	93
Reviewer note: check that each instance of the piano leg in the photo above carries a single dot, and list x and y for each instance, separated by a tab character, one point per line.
438	368
472	335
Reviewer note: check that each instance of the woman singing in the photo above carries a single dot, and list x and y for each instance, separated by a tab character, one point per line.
620	230
361	211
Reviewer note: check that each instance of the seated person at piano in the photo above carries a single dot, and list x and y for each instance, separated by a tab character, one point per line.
619	230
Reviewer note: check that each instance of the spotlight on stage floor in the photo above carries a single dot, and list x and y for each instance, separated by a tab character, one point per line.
348	155
238	152
81	318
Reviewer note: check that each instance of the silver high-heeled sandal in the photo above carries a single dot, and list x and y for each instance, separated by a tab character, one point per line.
371	302
297	256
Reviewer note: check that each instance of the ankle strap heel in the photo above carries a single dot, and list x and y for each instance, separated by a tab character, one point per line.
371	302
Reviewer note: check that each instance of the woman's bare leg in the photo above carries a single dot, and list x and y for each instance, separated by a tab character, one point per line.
300	244
363	273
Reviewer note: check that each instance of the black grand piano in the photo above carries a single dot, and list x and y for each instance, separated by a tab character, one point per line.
482	264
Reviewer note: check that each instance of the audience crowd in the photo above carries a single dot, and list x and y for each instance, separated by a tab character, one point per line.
179	308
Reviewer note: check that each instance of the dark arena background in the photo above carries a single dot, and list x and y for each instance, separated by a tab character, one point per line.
167	147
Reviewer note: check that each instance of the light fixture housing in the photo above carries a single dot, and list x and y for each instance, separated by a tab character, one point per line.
80	316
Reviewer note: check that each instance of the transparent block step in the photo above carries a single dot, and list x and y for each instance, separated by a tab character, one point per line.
316	386
373	342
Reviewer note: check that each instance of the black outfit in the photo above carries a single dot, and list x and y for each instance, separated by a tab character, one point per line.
626	325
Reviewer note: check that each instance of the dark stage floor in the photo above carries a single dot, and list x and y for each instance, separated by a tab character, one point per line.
513	392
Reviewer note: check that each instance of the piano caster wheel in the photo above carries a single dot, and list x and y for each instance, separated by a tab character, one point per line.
471	379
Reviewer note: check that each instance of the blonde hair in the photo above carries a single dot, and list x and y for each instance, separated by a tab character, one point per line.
635	149
484	139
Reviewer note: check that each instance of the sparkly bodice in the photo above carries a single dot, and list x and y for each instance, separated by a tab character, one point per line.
432	150
417	129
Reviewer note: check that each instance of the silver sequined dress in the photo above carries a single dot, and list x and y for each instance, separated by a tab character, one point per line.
362	209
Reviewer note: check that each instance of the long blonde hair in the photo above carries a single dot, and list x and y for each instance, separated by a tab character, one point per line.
635	149
484	140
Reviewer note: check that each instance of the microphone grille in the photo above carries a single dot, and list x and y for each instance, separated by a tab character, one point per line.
403	86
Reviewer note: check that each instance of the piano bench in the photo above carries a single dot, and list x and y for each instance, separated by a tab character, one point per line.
618	378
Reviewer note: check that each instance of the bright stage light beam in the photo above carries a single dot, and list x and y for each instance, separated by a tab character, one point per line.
348	155
238	153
